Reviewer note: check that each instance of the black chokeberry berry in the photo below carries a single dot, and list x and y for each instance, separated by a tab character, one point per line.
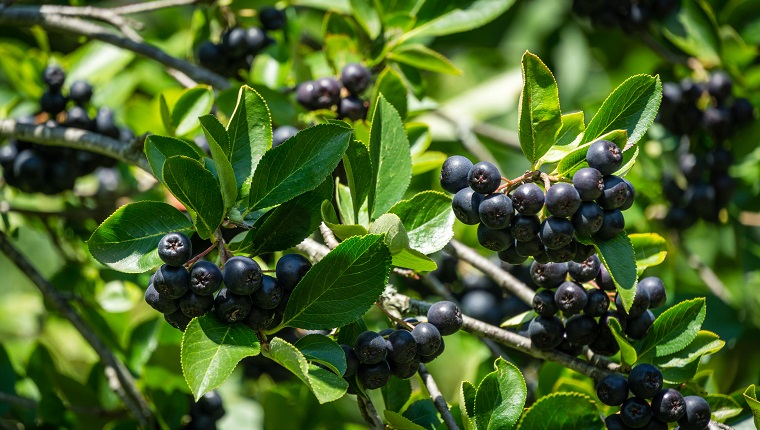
645	380
613	223
76	117
401	346
290	269
582	252
446	317
410	320
327	93
598	303
668	405
256	40
171	281
635	412
406	370
631	196
524	227
205	278
531	248
272	18
605	344
719	86
53	102
614	422
569	348
175	249
615	193
562	200
178	320
370	347
259	319
548	275
373	376
484	177
564	254
604	280
543	303
742	111
639	306
160	303
639	326
510	256
528	199
352	361
697	414
104	123
353	108
589	182
234	43
655	289
231	308
570	298
465	206
495	240
194	305
268	296
242	275
428	338
436	354
556	232
80	92
211	55
307	94
585	271
454	173
581	329
604	156
546	332
355	77
53	77
496	211
612	390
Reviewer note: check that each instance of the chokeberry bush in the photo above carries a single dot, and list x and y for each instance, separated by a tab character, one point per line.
358	214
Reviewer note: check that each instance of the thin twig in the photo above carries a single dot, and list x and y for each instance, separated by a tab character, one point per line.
394	318
202	254
369	413
468	138
118	375
709	277
437	397
497	134
125	25
328	236
151	6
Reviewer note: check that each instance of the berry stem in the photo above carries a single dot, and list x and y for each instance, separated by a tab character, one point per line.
369	413
263	340
202	254
437	397
394	318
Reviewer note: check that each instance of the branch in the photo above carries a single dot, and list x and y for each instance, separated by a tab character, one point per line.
437	397
314	250
125	25
709	277
328	236
151	6
503	278
27	16
118	376
369	413
76	138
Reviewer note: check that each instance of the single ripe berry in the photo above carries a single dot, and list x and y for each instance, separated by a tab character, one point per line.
355	77
401	346
234	43
615	193
242	275
531	248
436	354
307	94
104	123
564	254
373	376
583	252
370	347
205	278
259	319
428	338
546	332
353	108
668	405
614	422
495	240
697	414
465	206
484	177
211	55
171	281
598	303
352	361
159	302
194	305
77	117
604	156
585	271
639	326
446	317
604	280
562	200
528	199
589	182
53	77
524	228
454	173
405	370
549	275
53	102
496	211
29	167
655	289
510	256
612	390
543	303
283	133
605	344
743	111
211	404
328	93
272	18
178	320
80	92
268	296
581	329
256	40
175	249
645	380
635	412
639	306
570	298
290	269
556	232
231	308
630	198
613	223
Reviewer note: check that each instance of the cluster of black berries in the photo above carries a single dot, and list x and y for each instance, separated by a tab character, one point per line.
666	406
591	207
205	413
325	93
375	357
703	166
248	296
629	15
240	45
50	170
587	311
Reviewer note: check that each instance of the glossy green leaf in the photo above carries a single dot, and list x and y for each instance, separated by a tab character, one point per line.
650	249
166	115
500	397
412	259
342	286
722	407
348	333
427	161
300	164
193	103
391	86
127	240
198	190
618	257
219	144
694	30
366	14
423	413
750	396
466	15
250	134
341	49
627	351
396	393
706	342
326	385
428	219
321	349
211	350
467	394
359	173
424	58
390	159
400	422
568	138
562	411
158	148
539	117
391	226
674	329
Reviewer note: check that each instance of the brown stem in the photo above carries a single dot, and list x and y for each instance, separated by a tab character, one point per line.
369	413
437	397
202	254
394	318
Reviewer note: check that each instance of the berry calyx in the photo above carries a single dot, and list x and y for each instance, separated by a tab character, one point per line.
484	177
175	249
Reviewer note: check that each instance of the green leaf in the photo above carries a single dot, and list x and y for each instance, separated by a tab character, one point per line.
300	164
674	329
568	138
500	397
694	30
467	394
723	407
422	57
390	158
198	190
166	115
679	375
342	286
211	350
359	173
467	15
428	219
321	349
539	119
250	134
341	49
650	249
627	352
348	333
631	107
400	422
629	159
423	413
390	84
326	385
412	259
127	240
392	228
288	224
706	342
193	103
618	257
158	148
427	161
219	144
750	396
562	411
365	13
345	206
396	393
